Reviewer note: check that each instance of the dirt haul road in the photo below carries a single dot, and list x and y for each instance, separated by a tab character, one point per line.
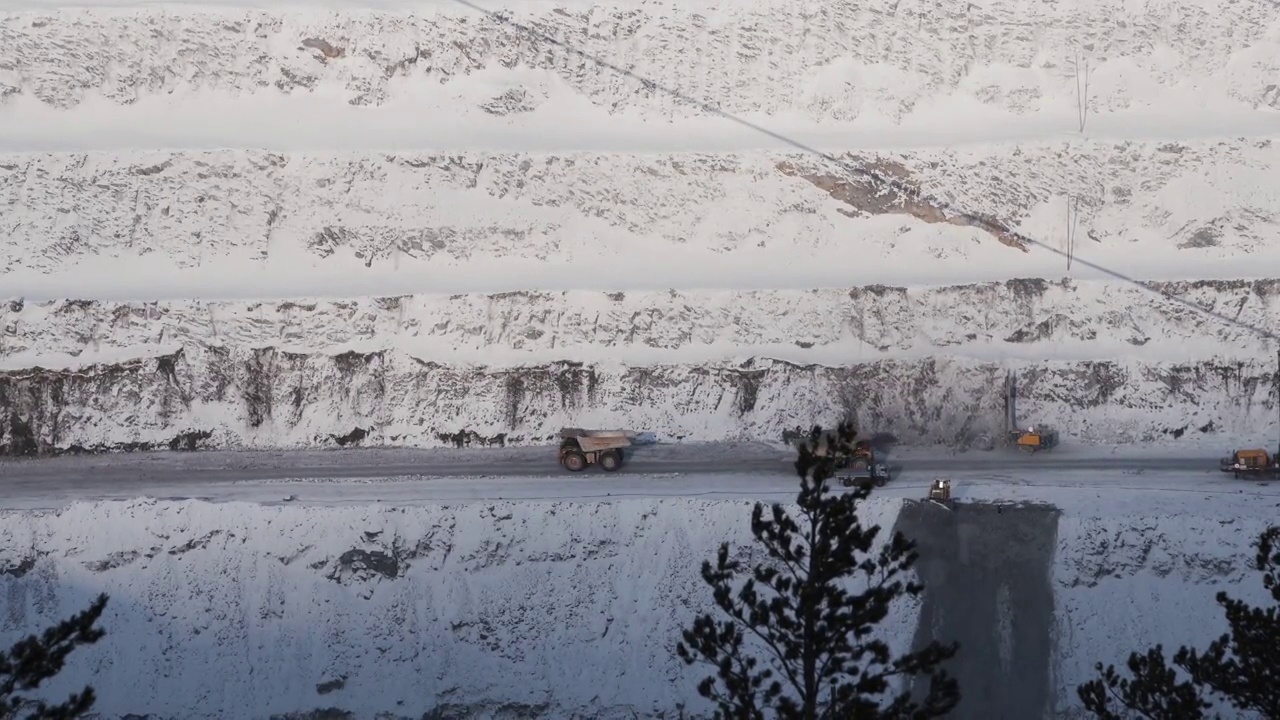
718	458
530	473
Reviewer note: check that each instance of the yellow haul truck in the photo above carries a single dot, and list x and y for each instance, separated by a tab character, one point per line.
606	448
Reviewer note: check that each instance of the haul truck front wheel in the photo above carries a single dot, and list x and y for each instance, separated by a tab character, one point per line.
574	461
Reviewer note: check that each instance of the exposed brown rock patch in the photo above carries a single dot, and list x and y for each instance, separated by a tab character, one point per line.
883	188
327	51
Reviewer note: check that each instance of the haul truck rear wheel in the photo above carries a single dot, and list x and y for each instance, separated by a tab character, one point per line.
610	460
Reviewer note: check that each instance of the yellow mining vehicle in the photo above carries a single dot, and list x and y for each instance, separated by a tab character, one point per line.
606	448
1254	462
1036	437
862	457
940	492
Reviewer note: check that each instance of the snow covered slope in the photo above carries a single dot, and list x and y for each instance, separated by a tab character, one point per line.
431	141
1134	580
271	398
620	253
557	610
141	225
886	59
514	368
409	222
1015	320
549	610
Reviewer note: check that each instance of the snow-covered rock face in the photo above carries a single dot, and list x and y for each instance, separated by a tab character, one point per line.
270	398
1018	319
515	368
510	148
661	260
889	55
571	609
346	169
405	212
1130	582
547	610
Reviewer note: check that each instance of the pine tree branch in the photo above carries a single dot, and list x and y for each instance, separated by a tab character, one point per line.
34	659
811	609
766	533
772	644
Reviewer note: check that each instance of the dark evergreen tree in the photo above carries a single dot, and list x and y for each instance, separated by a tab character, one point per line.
32	661
799	638
1240	669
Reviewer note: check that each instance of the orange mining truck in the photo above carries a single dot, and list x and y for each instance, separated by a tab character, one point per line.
862	458
1254	462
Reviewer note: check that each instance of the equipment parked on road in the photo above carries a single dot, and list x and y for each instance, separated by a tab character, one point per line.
1035	437
606	448
940	492
940	489
862	458
874	474
1251	462
859	460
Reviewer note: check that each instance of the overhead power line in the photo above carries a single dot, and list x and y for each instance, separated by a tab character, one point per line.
879	180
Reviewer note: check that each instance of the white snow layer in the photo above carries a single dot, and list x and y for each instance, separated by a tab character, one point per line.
240	610
890	61
1137	578
352	151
